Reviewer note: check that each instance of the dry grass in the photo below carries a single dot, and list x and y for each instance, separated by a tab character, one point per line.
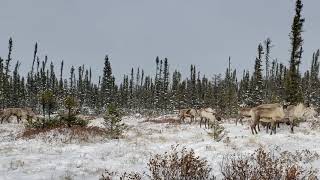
65	134
164	120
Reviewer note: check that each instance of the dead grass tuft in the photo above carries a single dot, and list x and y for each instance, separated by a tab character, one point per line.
65	134
163	120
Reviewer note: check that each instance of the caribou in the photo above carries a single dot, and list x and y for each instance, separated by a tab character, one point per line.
184	113
20	113
208	115
268	113
243	113
275	114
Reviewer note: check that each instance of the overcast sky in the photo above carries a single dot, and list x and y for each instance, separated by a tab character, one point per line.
134	32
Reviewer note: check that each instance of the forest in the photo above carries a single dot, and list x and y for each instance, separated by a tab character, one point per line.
166	90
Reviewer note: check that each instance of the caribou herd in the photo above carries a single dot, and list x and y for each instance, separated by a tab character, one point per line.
268	115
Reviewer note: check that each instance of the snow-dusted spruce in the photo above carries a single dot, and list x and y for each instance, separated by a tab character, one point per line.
113	122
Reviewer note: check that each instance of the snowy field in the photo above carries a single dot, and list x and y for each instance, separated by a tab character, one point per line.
39	159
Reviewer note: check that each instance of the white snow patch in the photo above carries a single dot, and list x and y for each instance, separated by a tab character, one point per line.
36	159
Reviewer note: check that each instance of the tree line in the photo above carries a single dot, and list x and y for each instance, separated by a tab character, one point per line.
165	90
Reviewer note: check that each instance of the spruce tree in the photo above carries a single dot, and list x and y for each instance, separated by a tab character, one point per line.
293	89
267	85
176	78
2	89
107	82
314	82
157	85
165	85
131	90
257	81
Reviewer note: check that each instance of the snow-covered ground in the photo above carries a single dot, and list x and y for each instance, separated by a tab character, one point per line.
37	159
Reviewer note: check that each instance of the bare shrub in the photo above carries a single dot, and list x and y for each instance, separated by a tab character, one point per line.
315	124
265	165
109	175
304	156
178	165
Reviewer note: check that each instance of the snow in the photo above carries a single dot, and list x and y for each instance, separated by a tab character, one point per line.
38	159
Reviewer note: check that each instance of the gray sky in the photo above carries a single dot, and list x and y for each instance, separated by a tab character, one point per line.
134	32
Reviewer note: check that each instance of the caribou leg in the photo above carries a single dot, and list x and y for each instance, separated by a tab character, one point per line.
18	119
240	119
292	124
192	119
182	119
253	129
273	127
205	123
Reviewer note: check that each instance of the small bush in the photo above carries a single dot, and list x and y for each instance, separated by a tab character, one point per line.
217	131
178	165
44	123
113	124
73	121
264	165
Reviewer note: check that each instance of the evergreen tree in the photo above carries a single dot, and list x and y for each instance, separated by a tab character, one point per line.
107	83
113	123
257	81
2	89
267	69
15	92
165	85
157	85
6	77
314	82
230	91
293	89
131	91
48	102
176	78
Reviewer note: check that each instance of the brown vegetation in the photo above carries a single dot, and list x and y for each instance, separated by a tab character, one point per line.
261	165
163	120
177	164
266	166
74	133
